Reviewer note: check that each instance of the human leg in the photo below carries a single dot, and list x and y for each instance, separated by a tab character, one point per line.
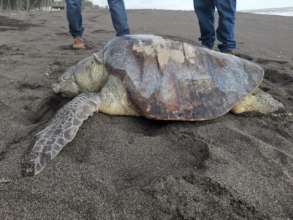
205	10
74	17
226	28
119	17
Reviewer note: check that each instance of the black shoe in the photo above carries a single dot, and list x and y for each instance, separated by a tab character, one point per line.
204	46
231	52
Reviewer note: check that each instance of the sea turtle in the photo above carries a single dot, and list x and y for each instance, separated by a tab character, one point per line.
154	77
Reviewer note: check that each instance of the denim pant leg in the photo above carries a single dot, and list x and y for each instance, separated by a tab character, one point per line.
74	17
226	28
119	16
205	11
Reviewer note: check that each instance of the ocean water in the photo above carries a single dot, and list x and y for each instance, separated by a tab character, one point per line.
280	12
242	5
154	4
277	13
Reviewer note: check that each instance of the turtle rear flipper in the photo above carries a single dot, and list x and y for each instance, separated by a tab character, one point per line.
259	102
60	131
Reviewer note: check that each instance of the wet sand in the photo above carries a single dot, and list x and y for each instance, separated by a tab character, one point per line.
235	167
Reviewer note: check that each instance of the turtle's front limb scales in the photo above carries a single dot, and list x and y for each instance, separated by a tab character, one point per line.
60	131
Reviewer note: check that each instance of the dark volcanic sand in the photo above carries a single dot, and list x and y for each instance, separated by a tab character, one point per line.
235	167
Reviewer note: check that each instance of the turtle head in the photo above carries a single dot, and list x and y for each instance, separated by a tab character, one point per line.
89	75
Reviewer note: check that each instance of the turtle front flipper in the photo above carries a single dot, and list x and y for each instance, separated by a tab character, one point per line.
60	131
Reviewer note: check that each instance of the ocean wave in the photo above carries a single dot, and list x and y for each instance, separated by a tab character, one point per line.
188	6
280	13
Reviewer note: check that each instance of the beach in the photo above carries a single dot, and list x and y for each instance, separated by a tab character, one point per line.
234	167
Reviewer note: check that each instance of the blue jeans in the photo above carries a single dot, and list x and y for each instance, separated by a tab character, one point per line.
118	15
205	11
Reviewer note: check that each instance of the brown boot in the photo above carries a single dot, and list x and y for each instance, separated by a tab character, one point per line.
78	43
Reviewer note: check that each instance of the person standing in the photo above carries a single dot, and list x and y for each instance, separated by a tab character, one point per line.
74	17
205	11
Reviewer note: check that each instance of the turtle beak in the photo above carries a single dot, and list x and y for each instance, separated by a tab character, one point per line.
66	88
66	84
56	88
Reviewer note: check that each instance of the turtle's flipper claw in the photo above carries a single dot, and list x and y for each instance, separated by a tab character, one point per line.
27	167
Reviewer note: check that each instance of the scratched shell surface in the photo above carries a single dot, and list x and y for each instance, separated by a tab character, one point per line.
173	80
